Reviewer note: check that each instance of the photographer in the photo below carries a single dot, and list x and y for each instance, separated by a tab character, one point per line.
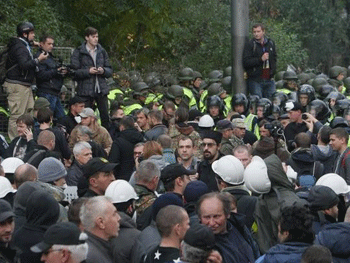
271	141
49	78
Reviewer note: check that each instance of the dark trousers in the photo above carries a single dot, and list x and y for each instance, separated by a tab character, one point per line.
102	105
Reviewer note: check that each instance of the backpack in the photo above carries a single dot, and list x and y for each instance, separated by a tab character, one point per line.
4	56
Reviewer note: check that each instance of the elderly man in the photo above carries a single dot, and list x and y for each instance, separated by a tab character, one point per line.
82	154
99	174
101	220
172	223
99	133
147	178
232	237
25	172
7	226
63	242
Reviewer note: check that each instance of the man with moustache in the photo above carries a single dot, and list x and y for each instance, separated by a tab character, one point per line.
211	152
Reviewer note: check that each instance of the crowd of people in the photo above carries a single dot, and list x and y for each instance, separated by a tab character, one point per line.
161	168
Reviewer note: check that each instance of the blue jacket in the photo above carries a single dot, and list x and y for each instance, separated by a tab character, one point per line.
289	252
336	237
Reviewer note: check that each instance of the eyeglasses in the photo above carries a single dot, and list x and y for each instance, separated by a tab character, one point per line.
209	145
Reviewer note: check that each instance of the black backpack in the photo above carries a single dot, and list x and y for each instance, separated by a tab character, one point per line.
4	55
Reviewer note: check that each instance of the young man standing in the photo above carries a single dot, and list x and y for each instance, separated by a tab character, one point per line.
339	141
259	61
92	66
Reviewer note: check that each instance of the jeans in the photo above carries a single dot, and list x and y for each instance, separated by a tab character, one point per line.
261	87
55	104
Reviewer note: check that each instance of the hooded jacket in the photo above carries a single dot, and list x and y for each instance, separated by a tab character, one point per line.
122	152
123	246
42	211
327	157
82	61
289	252
336	237
266	146
269	205
20	64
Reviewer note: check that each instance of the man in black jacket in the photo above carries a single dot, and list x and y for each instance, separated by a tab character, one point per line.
92	67
49	78
259	61
21	67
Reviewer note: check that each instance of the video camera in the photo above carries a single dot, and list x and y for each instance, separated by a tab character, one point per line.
275	130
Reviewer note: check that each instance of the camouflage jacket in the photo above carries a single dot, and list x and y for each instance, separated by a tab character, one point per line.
146	198
227	145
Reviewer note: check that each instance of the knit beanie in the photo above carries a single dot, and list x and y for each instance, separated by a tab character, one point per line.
163	201
51	169
322	197
194	190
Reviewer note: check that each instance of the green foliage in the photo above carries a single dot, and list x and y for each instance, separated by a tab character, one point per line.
40	13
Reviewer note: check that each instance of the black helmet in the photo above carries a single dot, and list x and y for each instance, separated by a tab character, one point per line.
335	71
135	77
186	74
152	79
175	91
228	71
334	95
139	88
307	90
276	109
303	78
253	100
240	99
215	76
279	98
342	106
168	80
215	101
339	122
290	75
215	89
322	75
318	82
226	84
267	106
347	83
196	75
24	27
279	76
293	96
279	84
320	108
325	90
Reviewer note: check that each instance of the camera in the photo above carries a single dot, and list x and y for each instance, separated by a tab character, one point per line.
275	130
304	116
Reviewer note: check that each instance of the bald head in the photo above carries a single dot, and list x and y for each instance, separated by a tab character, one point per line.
47	138
25	172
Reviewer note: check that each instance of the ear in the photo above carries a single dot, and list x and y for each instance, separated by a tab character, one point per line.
176	229
65	255
219	146
179	181
92	181
100	222
86	38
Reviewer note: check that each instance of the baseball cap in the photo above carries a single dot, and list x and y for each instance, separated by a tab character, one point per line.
200	236
292	106
87	112
97	164
172	171
238	123
64	233
223	125
5	210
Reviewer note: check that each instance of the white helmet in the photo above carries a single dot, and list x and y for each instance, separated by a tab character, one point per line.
255	176
335	182
10	164
120	191
206	121
230	169
5	187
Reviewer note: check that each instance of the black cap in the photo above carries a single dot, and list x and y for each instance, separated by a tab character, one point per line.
97	164
322	197
5	210
64	233
76	99
214	135
284	117
200	236
223	125
173	171
293	106
165	200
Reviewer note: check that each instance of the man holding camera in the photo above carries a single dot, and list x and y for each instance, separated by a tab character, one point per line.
49	78
20	73
92	66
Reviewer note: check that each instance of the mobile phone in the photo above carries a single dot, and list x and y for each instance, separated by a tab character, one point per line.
304	116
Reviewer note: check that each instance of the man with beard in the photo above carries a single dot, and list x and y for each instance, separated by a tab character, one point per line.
211	147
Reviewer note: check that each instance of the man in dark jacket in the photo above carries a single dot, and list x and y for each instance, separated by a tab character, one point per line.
157	128
92	67
72	119
7	226
82	154
21	67
122	151
259	61
49	78
295	234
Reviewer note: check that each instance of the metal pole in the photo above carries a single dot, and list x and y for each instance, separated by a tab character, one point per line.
239	34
